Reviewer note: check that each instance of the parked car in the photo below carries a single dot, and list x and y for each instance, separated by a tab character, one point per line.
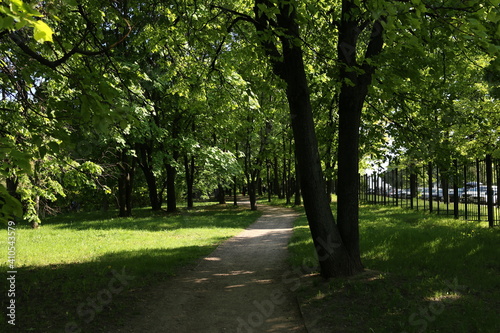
436	194
401	193
451	194
482	195
424	193
473	195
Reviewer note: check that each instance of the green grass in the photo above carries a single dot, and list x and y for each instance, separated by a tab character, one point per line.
425	273
73	257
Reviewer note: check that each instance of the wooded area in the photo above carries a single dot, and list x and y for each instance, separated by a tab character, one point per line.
133	103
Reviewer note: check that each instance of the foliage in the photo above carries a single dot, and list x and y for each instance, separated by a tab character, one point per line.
16	14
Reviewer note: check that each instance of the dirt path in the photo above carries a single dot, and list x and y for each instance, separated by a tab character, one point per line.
238	288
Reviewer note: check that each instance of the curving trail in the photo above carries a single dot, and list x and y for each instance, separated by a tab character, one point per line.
244	286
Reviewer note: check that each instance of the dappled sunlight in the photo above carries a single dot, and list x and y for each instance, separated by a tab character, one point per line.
212	259
233	273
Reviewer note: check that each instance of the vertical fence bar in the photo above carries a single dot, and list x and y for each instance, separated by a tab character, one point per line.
489	191
386	189
413	187
426	195
455	190
466	198
478	177
396	194
497	171
429	184
438	202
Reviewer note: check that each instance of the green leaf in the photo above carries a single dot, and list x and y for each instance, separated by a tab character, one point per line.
72	3
42	32
42	151
10	207
6	22
54	147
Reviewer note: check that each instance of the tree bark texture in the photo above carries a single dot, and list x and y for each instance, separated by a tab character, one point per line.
334	259
355	82
125	181
189	171
145	158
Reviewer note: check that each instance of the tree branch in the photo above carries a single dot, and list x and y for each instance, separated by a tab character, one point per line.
53	64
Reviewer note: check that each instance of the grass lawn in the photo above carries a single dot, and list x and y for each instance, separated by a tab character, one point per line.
425	273
81	270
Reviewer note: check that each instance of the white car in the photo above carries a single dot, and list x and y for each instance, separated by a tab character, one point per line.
481	196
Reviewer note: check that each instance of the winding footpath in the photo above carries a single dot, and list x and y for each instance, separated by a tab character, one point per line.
243	286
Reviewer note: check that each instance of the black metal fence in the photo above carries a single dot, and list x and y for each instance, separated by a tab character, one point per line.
467	191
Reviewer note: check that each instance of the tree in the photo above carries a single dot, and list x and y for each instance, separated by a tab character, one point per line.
356	77
277	23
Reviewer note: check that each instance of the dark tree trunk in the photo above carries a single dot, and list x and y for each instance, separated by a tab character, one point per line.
252	194
333	257
170	166
125	185
152	189
145	159
276	183
269	182
331	153
189	171
445	184
221	194
171	191
298	200
352	95
235	185
285	181
235	191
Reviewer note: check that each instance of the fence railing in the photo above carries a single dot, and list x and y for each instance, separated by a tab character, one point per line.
466	191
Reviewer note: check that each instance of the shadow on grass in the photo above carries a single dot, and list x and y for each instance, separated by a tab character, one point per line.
430	274
218	216
89	294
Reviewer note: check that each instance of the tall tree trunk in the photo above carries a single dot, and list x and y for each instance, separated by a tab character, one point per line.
170	166
129	183
235	185
235	191
331	154
145	159
276	183
352	95
125	185
189	171
298	200
333	257
171	191
252	193
269	181
221	194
